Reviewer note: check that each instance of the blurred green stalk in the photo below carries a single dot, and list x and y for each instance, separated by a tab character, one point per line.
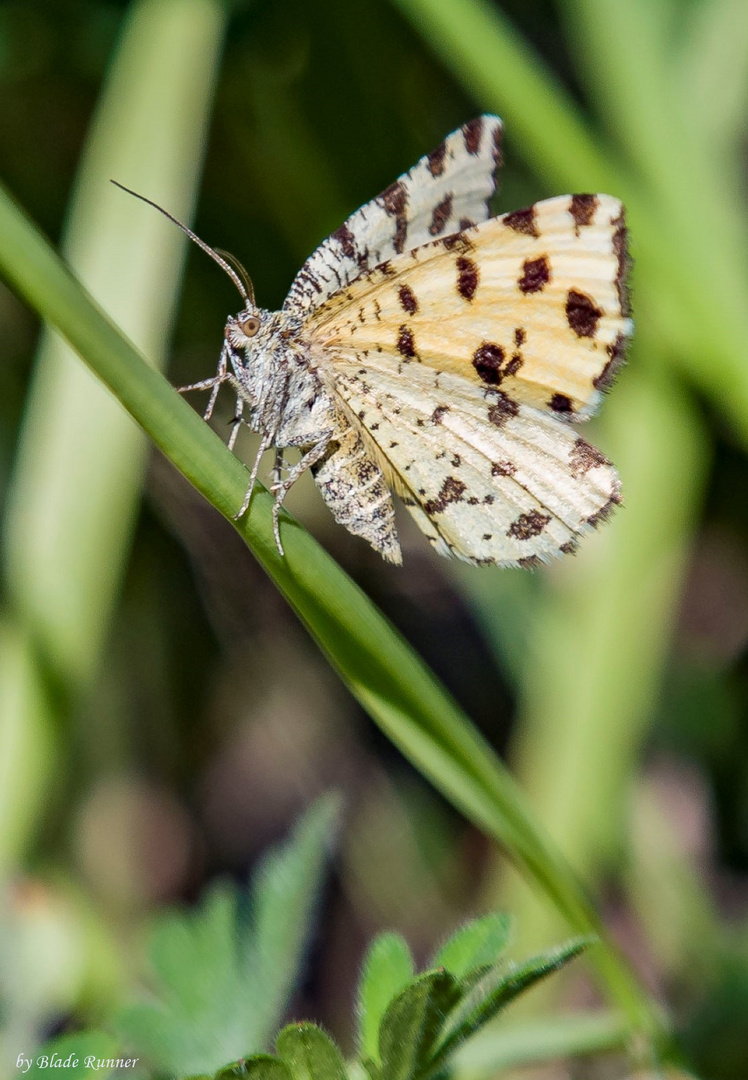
79	470
76	485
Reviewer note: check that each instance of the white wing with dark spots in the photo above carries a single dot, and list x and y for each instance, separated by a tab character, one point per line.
487	479
447	190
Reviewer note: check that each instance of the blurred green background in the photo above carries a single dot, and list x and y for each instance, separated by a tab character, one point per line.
163	716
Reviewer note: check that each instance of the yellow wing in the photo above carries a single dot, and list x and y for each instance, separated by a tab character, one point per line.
533	302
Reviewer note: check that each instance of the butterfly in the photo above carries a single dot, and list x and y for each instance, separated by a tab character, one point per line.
429	350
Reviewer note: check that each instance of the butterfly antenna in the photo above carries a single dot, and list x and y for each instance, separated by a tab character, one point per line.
243	283
241	271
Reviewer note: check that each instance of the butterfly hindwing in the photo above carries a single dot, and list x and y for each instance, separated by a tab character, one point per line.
447	190
488	480
533	302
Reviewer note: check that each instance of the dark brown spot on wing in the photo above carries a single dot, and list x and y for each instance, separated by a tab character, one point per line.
407	299
530	562
435	160
519	336
528	525
440	216
497	156
344	236
406	345
616	353
487	361
471	133
467	277
582	209
584	456
503	468
395	202
560	403
522	221
536	273
457	241
503	409
605	510
514	365
466	223
438	413
569	548
582	313
452	491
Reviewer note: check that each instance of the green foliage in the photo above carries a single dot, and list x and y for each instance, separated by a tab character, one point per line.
476	944
411	1031
388	968
224	974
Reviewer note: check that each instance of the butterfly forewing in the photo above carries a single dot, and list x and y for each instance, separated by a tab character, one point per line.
447	190
533	302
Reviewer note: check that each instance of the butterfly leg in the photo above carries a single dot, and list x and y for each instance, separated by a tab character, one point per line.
281	488
265	442
236	422
214	384
278	466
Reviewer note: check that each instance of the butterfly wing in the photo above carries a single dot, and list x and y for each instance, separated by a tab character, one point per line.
447	190
487	479
533	302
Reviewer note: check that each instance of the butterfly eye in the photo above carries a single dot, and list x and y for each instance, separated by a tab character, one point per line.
250	326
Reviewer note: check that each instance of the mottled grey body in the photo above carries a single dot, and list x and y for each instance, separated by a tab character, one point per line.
281	394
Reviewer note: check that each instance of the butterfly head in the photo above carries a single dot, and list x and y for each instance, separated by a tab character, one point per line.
243	330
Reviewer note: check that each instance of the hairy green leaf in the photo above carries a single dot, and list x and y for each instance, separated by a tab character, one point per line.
256	1067
387	969
497	987
309	1053
411	1026
477	944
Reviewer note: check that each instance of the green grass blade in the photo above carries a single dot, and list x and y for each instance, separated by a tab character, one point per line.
26	743
80	462
387	677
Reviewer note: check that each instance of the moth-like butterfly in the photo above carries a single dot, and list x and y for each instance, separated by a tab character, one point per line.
429	350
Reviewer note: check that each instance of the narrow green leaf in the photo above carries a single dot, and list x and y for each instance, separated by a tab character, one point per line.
309	1053
80	462
78	1056
497	988
256	1067
387	969
475	945
411	1026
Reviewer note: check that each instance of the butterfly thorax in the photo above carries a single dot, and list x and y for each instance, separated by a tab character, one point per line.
279	385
